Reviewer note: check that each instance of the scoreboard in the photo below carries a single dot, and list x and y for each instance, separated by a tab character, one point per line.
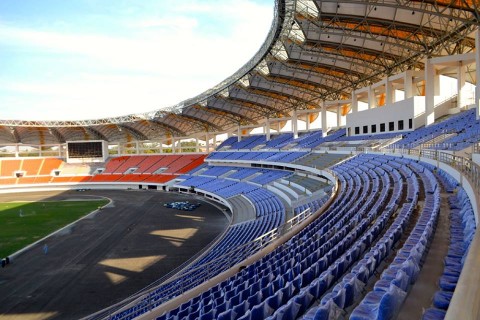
86	151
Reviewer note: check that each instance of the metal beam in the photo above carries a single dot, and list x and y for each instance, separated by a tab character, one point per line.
169	128
134	132
98	135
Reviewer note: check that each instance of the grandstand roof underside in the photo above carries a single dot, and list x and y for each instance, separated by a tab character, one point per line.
315	50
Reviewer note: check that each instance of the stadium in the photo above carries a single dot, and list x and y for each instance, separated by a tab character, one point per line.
335	175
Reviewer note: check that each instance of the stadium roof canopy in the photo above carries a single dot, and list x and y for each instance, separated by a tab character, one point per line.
316	50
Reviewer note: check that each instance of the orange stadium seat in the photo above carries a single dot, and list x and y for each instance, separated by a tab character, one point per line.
131	161
192	164
31	166
133	177
8	167
7	181
80	178
163	163
43	179
180	162
114	163
39	170
149	161
26	180
68	179
48	165
106	177
160	178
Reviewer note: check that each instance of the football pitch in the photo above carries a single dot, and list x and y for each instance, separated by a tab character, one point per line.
23	223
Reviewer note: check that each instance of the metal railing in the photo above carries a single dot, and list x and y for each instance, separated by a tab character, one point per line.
469	169
466	167
476	148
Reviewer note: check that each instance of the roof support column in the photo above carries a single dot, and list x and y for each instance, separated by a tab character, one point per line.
214	141
431	89
477	72
59	150
354	106
372	100
389	92
408	84
307	121
295	124
173	145
339	116
267	129
239	134
207	142
197	149
460	85
324	120
137	148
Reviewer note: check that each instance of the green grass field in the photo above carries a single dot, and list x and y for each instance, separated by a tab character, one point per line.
22	223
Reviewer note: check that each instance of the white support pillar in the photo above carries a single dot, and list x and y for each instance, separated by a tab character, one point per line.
372	100
278	126
173	145
408	84
17	151
354	105
59	150
307	121
294	124
137	148
239	134
429	92
267	129
460	85
477	72
207	142
197	148
324	121
339	117
389	92
214	141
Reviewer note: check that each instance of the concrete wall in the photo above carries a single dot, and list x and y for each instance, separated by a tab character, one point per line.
401	110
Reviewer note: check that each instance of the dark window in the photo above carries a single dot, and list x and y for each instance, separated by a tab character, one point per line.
382	127
391	126
374	128
400	124
410	123
357	130
365	129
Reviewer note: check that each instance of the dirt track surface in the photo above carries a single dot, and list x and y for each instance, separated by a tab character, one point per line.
105	258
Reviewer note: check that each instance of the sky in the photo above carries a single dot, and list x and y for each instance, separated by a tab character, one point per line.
90	59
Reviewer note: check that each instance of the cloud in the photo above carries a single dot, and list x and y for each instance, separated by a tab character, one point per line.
148	59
